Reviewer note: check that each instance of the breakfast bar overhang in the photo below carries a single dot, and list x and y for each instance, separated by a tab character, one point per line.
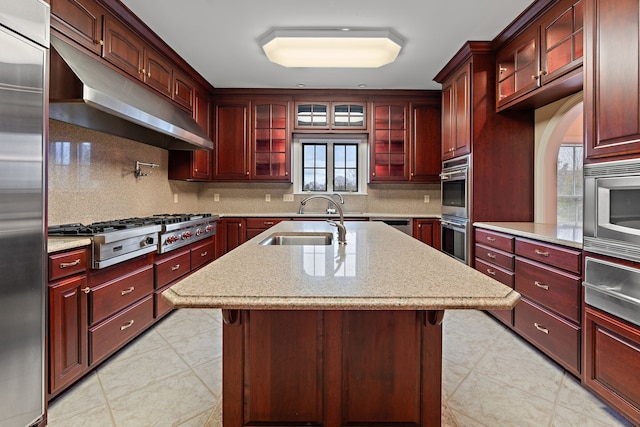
333	335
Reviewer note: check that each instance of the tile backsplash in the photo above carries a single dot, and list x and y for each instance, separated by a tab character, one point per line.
91	178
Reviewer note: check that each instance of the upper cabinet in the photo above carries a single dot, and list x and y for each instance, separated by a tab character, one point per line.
123	48
456	113
543	62
426	162
330	115
389	145
80	20
231	139
612	79
271	140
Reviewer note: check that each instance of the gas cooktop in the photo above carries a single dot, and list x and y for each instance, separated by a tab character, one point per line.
122	224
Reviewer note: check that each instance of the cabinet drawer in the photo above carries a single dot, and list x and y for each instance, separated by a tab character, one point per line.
502	276
202	254
263	223
556	256
496	257
558	338
110	297
111	334
504	242
67	263
555	289
170	269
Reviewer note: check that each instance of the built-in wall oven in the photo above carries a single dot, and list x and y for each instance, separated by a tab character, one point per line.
612	209
454	232
456	198
454	187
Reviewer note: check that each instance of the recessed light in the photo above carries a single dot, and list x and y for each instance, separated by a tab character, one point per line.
362	85
301	85
331	48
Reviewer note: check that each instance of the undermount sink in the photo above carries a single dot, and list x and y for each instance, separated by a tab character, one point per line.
299	238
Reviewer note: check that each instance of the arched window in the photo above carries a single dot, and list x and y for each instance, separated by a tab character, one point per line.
569	185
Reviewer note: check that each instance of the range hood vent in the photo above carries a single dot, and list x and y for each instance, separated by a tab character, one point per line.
89	94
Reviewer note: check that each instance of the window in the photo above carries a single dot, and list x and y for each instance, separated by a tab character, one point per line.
327	165
569	181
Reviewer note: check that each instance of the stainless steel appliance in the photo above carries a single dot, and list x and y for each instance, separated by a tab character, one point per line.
183	229
455	238
24	39
612	209
456	208
120	240
613	288
403	224
454	187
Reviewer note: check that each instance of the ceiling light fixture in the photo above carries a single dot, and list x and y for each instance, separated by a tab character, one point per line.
331	48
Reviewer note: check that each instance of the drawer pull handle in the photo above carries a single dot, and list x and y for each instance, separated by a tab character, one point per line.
490	255
69	264
541	286
491	272
203	254
542	253
127	291
175	267
268	223
86	290
541	328
126	325
491	239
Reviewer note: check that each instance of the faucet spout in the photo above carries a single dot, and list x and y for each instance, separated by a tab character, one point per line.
342	231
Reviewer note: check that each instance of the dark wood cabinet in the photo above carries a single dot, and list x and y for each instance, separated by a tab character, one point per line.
390	143
611	359
494	257
68	348
345	366
230	234
427	230
612	79
256	226
157	72
123	48
426	162
231	140
80	21
543	62
456	113
270	141
184	90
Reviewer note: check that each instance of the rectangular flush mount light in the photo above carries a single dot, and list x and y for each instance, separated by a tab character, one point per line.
331	48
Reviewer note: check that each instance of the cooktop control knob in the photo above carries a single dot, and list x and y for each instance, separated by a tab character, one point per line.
186	235
208	228
199	231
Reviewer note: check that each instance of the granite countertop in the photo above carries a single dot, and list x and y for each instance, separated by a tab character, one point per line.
551	233
380	268
323	214
56	244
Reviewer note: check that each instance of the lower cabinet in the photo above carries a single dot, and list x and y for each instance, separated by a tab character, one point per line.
427	231
611	359
548	277
256	226
94	313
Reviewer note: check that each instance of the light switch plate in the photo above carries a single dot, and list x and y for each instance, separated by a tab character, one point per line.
216	197
287	198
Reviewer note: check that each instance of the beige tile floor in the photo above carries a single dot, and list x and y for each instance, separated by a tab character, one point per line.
171	376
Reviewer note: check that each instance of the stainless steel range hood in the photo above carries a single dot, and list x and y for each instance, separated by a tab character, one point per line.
88	93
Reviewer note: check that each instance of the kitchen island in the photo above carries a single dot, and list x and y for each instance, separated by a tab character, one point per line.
335	334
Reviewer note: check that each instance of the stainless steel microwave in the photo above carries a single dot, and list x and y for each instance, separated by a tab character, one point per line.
612	209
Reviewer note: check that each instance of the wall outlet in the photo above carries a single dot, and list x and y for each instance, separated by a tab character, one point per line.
287	198
267	197
427	199
175	197
216	197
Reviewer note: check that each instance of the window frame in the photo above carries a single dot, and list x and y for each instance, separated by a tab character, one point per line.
576	197
360	140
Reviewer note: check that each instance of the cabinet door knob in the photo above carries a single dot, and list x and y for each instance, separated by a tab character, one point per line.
86	290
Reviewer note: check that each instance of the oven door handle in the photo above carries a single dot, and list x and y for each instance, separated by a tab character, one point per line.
610	292
450	224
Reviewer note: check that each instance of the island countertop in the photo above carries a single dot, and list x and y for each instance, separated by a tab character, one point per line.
380	268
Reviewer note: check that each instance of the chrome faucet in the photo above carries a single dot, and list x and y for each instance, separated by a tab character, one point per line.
342	231
331	210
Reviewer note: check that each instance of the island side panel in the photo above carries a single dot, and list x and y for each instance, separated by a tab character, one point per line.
335	368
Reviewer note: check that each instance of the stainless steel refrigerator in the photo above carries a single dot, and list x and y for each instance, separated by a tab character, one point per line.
24	39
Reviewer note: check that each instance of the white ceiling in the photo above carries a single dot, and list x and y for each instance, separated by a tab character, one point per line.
219	37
